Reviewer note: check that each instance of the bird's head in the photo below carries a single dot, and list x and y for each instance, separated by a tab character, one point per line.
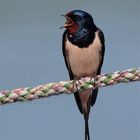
77	19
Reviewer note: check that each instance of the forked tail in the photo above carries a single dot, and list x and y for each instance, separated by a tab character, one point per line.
87	136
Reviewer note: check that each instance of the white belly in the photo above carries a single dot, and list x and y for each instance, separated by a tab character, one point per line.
84	61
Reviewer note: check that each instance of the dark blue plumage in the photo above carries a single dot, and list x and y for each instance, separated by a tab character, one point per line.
84	35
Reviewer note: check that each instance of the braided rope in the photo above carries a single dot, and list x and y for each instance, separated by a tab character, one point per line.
67	87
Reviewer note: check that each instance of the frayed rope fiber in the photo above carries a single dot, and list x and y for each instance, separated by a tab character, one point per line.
67	87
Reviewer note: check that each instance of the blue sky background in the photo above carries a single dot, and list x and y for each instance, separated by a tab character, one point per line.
30	54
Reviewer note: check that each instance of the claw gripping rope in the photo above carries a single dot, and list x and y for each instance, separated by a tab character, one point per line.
67	87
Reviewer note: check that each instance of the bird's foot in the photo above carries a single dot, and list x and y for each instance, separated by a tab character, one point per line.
93	76
76	83
94	80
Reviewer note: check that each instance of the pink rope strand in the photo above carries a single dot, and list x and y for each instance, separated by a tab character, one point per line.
67	87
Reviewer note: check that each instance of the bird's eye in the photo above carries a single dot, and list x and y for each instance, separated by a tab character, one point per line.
77	17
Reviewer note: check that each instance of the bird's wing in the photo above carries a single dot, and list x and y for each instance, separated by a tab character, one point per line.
76	95
102	39
65	55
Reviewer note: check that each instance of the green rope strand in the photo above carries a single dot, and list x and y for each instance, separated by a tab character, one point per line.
67	87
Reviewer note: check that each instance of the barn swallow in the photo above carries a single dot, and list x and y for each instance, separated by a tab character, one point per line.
83	47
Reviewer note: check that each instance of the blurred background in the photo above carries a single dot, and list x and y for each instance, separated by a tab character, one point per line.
30	54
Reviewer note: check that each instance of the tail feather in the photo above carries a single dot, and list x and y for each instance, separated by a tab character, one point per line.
83	101
87	136
85	98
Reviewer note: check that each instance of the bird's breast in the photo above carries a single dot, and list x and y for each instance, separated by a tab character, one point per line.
84	61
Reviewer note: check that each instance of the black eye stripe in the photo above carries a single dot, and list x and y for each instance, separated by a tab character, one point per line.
75	17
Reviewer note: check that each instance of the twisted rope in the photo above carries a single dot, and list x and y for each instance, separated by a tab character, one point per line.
67	87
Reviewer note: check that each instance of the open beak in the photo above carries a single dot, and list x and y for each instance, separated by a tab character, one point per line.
69	22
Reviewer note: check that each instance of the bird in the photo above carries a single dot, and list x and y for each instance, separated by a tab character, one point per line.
83	47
